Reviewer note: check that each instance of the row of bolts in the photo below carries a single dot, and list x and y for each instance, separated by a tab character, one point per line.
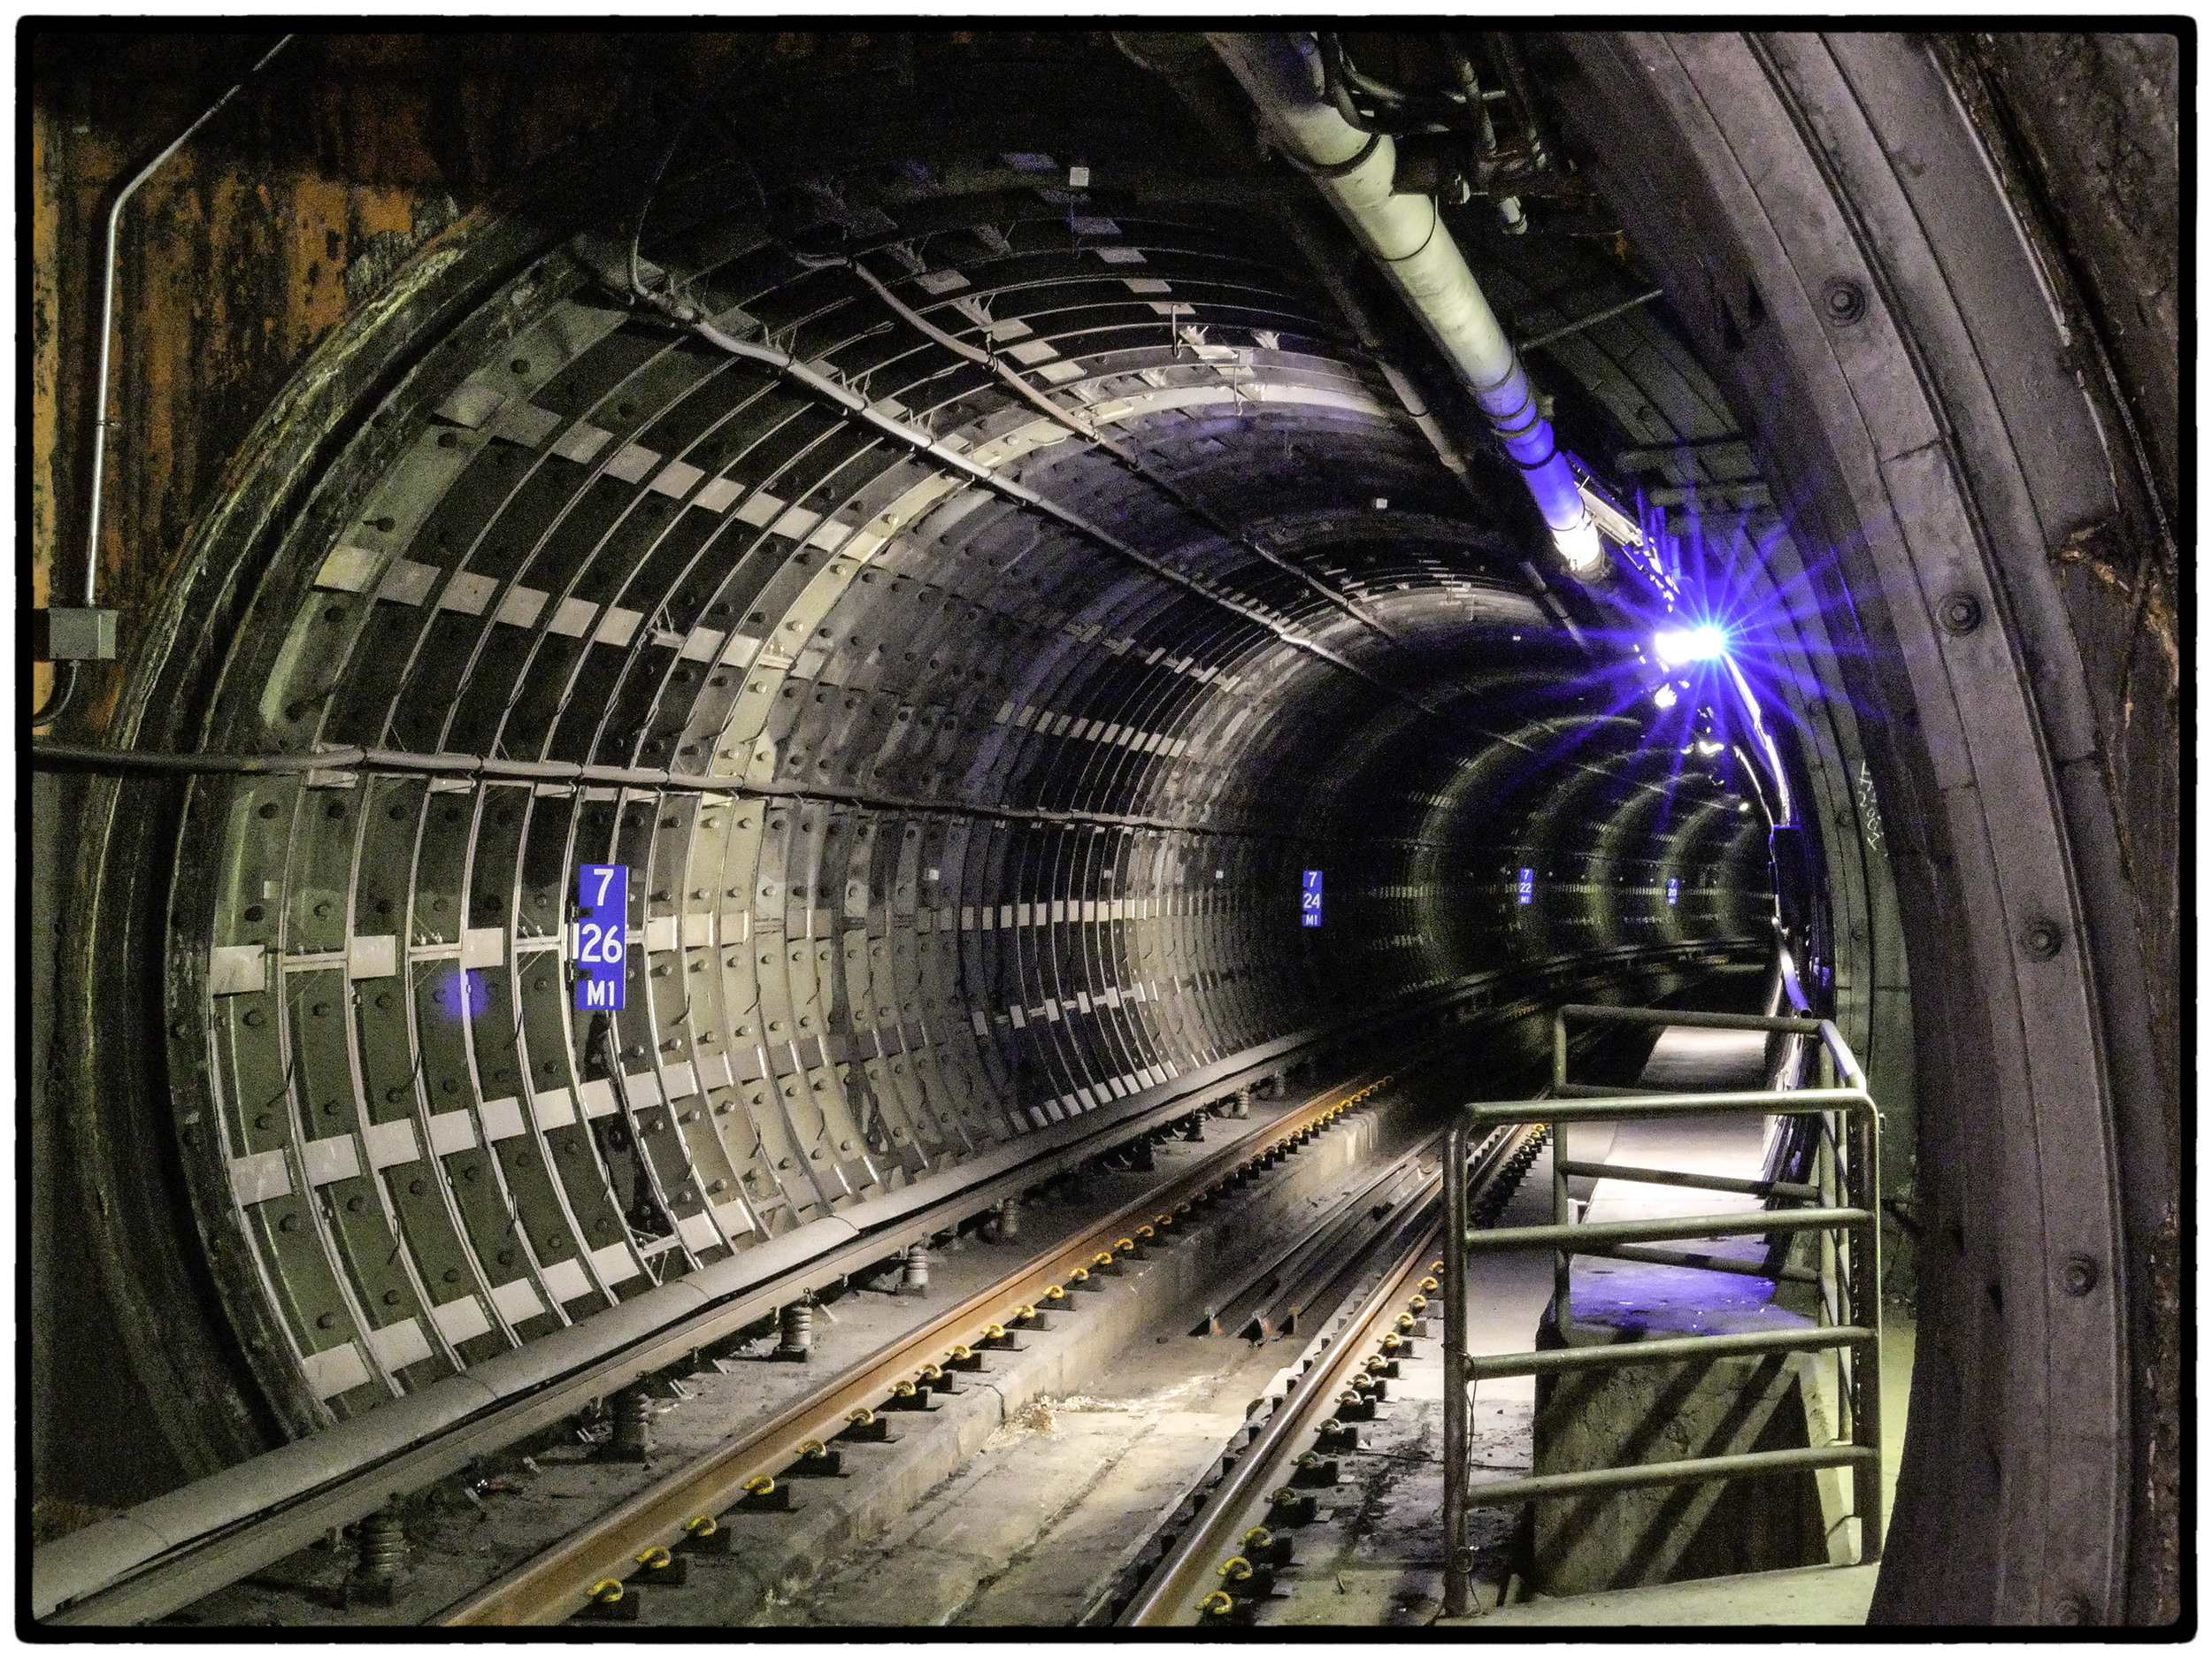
382	1554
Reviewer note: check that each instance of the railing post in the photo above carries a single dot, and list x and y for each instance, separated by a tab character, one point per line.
1456	1599
1866	1359
1563	1260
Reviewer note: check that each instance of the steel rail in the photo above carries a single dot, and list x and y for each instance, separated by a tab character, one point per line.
165	1554
557	1583
135	1579
1170	1596
1286	1272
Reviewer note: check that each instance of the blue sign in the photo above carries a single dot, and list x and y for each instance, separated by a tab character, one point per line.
1309	900
1528	886
1674	887
602	904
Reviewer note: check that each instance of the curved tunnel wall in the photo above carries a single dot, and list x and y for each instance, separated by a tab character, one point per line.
976	822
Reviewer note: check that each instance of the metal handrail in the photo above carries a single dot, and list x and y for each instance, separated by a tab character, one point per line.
1841	1203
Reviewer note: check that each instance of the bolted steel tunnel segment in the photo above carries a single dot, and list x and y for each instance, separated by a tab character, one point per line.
825	998
980	530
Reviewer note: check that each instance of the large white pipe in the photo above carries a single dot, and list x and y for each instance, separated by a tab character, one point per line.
1406	235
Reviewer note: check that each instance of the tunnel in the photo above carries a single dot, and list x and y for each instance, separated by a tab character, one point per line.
1015	582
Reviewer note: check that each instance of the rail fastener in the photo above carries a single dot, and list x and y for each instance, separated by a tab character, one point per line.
1220	1608
608	1600
863	1425
661	1566
1287	1506
704	1535
1335	1435
908	1396
1247	1579
1268	1548
816	1461
765	1494
939	1380
1055	1299
1312	1469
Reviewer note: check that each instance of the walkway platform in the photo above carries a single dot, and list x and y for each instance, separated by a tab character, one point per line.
1794	1597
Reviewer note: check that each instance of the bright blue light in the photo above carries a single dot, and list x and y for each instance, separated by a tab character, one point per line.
1701	644
462	994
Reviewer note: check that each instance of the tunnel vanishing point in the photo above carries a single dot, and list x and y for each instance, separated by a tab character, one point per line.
1062	565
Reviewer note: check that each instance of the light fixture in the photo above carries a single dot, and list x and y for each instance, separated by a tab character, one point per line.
1706	746
1583	553
1699	644
1663	697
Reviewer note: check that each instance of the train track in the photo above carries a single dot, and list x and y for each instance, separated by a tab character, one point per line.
615	1556
1217	1567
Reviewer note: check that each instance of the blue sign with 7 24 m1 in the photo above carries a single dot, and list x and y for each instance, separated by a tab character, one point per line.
1309	900
602	903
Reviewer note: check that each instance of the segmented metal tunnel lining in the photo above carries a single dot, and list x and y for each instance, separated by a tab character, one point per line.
597	541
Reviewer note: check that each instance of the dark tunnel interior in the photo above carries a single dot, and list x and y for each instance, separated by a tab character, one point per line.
957	518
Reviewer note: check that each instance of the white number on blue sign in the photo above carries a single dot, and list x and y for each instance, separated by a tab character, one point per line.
603	901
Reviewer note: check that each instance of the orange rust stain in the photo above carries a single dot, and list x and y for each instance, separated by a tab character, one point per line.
315	281
45	372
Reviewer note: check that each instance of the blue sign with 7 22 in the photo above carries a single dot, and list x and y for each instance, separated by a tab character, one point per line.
1309	900
602	903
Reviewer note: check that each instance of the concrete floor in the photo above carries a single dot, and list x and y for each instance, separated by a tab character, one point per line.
1036	1527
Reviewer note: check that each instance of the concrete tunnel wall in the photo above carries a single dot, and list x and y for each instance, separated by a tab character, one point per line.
503	515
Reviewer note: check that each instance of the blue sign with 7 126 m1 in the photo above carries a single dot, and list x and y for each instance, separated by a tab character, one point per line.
602	905
1309	900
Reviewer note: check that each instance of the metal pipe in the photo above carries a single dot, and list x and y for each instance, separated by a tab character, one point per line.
1592	321
1457	1405
1736	1465
1553	1362
107	314
1796	1102
1658	1229
1407	237
1706	1183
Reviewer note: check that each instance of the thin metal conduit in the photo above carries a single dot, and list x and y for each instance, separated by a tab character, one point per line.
107	316
1127	457
784	364
854	404
83	757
